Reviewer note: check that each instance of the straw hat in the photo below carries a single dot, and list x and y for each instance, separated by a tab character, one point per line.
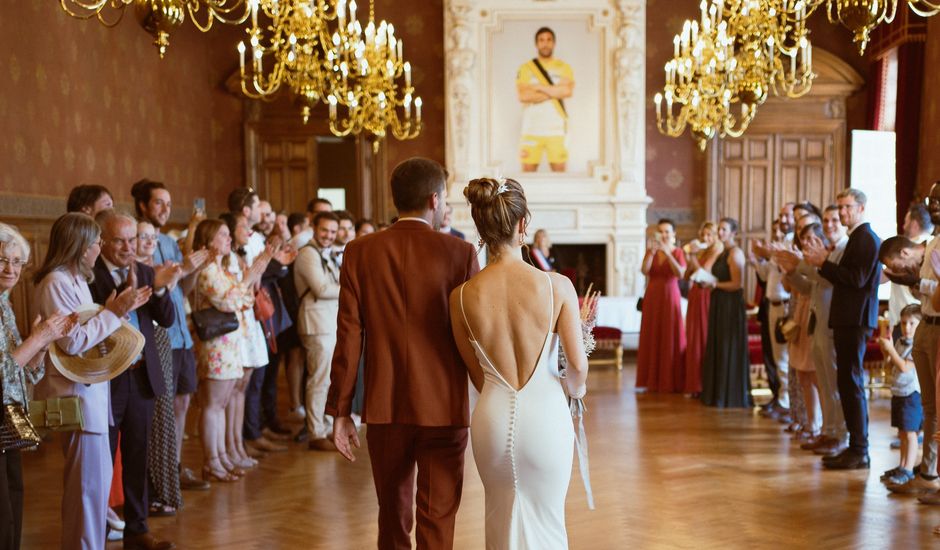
103	362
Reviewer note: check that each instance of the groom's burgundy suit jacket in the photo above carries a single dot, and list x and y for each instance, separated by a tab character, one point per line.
393	306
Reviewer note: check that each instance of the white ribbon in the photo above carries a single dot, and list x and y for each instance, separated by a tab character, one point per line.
578	409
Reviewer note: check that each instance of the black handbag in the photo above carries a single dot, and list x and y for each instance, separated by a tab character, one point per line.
212	323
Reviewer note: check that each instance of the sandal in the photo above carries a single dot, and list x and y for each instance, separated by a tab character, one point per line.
160	510
217	474
210	474
231	466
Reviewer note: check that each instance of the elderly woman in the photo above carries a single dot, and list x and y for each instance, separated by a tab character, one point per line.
62	286
20	362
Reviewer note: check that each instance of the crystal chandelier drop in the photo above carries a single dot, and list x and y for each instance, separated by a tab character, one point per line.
160	17
370	86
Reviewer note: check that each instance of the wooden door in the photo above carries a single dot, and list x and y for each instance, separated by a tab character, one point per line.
287	167
804	168
757	173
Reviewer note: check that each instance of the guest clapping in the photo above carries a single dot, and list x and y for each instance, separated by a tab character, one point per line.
661	354
21	362
726	366
62	286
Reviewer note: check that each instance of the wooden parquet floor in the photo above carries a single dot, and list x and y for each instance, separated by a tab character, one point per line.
667	473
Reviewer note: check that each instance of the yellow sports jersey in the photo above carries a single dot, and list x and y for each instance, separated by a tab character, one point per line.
546	118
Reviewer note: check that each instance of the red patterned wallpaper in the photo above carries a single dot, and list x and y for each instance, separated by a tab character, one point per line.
421	26
86	104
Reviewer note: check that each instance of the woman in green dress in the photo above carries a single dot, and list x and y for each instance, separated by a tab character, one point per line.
725	366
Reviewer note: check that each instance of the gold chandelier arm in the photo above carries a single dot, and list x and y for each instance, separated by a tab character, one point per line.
96	9
924	8
888	19
229	12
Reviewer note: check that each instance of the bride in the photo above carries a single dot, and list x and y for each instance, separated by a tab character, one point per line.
507	321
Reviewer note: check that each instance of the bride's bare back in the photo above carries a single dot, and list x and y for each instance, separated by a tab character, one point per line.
507	308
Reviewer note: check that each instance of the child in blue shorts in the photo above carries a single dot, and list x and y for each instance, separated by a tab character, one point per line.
907	414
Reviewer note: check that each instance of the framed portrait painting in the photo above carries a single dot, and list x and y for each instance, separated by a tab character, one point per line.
547	83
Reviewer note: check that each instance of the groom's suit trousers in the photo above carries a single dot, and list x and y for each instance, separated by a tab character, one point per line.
438	453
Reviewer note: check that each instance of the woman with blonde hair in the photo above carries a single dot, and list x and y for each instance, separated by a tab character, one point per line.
696	316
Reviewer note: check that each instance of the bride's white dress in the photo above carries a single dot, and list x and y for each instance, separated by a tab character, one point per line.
523	446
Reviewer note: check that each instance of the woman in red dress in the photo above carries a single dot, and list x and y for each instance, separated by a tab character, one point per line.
696	316
660	358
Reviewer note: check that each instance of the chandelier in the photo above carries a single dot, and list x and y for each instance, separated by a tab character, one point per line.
743	52
701	82
370	88
293	48
320	51
160	17
858	16
772	55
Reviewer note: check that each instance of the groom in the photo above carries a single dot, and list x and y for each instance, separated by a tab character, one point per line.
394	289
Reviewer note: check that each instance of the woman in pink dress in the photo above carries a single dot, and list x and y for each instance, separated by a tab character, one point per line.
696	316
660	359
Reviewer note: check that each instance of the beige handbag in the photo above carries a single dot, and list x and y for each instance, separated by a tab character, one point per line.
57	414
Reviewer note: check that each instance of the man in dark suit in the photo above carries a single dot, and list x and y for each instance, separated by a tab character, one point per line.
853	316
133	392
394	287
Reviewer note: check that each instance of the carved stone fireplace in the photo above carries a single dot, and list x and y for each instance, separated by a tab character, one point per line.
601	199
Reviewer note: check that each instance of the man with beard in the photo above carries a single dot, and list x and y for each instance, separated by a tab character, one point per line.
345	233
266	219
542	85
907	265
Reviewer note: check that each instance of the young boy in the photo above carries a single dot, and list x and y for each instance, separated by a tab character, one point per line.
907	415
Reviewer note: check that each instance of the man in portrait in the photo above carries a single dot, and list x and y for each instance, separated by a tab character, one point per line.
543	83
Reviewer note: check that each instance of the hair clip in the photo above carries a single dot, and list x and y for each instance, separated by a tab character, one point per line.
502	189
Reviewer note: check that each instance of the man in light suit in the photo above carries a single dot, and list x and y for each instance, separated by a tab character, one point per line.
395	287
133	391
852	318
316	276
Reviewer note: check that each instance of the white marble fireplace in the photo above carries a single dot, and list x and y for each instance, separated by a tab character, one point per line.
602	198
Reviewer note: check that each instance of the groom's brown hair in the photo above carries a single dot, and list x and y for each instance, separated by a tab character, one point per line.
414	181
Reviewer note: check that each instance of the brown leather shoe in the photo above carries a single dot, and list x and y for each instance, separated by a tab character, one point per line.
266	445
146	541
189	481
321	445
817	442
832	449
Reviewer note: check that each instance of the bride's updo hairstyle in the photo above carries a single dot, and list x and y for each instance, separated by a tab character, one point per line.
496	207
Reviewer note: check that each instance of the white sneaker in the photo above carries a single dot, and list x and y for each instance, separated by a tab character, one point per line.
114	534
114	521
